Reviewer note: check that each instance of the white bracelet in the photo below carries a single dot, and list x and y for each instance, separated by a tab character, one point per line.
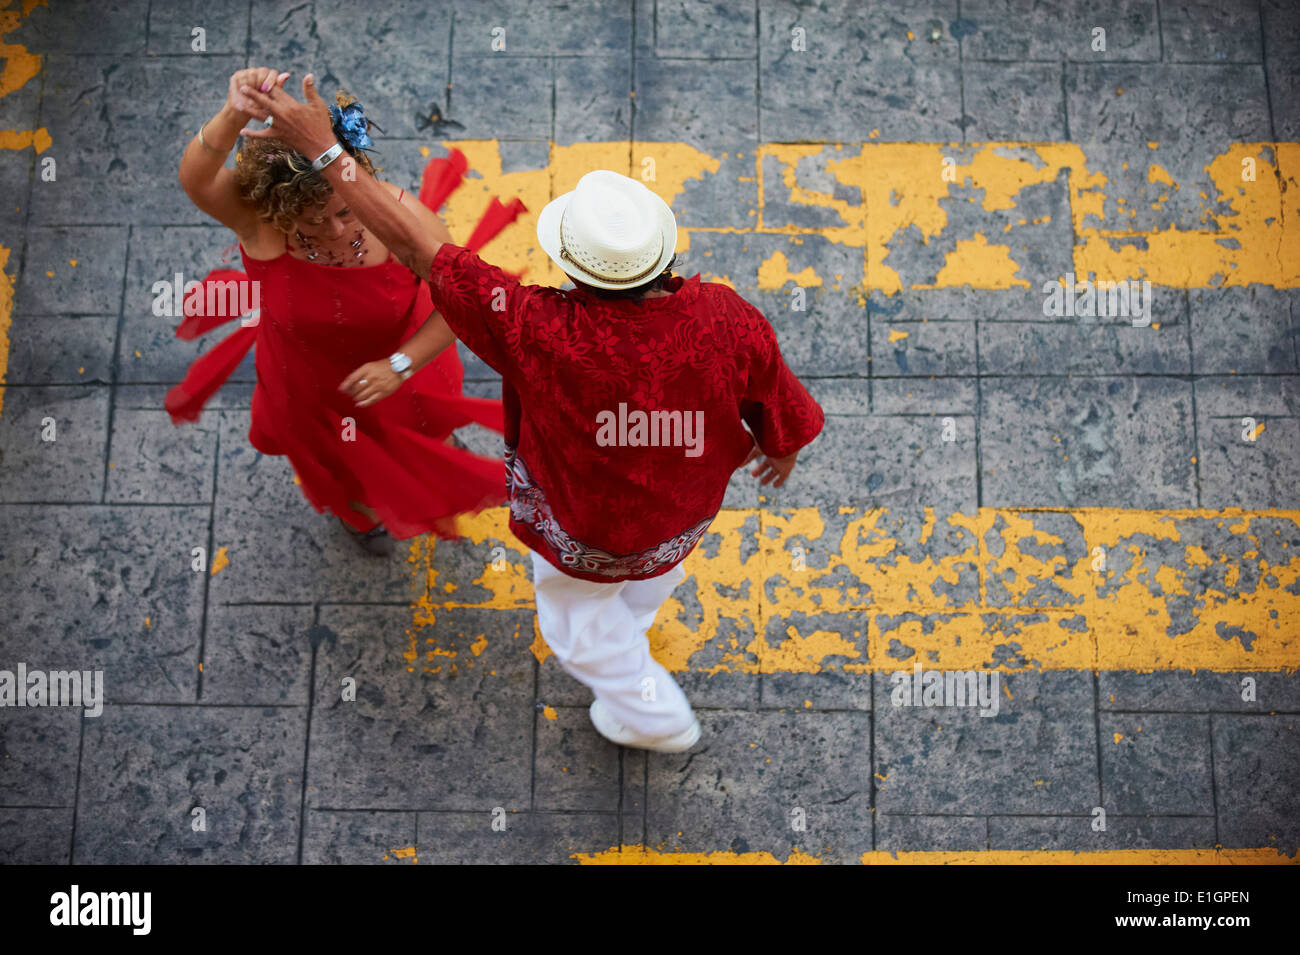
327	157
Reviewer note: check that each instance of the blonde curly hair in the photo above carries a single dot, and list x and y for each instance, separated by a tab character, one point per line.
280	182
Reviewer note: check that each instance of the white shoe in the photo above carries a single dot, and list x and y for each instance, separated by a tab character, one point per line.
616	732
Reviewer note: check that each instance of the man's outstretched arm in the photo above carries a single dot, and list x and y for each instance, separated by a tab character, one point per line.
306	127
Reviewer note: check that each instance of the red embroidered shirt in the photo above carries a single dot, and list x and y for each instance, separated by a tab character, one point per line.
624	420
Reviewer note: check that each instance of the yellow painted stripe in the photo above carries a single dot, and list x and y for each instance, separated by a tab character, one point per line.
640	855
1015	590
1248	223
19	68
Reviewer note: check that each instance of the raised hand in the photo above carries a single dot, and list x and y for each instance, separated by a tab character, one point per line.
257	77
306	127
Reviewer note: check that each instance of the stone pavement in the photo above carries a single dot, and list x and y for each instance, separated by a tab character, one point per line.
1100	508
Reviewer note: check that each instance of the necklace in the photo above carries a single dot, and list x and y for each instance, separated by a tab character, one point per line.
313	252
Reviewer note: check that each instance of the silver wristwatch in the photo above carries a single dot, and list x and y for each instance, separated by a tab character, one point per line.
401	365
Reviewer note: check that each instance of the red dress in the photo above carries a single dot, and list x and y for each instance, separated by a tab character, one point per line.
317	324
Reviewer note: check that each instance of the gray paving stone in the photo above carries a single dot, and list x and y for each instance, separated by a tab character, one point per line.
529	838
897	461
502	97
692	28
39	744
1038	755
1281	38
68	468
935	349
155	462
841	396
927	396
577	769
1216	104
906	104
1025	30
149	349
1065	833
358	838
57	350
831	687
391	56
1017	102
1243	331
1254	474
593	101
1234	396
1083	348
260	516
705	103
171	27
740	789
119	135
603	27
1159	765
257	655
85	26
146	768
107	588
1068	442
901	833
53	285
1256	764
459	739
235	396
829	336
35	836
1198	31
1199	691
862	31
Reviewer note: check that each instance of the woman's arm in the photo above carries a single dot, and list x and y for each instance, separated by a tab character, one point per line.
306	127
430	340
203	175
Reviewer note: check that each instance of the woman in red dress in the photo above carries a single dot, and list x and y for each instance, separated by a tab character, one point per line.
357	380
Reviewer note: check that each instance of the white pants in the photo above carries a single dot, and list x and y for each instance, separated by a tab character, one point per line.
598	634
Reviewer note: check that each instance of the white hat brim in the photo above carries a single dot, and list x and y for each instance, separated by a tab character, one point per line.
548	234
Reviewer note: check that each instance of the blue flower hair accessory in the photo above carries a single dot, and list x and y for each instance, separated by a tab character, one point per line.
351	125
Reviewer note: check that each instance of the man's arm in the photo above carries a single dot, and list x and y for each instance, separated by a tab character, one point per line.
306	127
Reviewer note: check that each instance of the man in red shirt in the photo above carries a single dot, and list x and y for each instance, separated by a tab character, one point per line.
629	402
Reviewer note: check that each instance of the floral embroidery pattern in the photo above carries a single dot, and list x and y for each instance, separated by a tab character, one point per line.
528	505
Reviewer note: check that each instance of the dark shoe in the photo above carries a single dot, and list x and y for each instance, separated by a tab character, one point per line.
375	541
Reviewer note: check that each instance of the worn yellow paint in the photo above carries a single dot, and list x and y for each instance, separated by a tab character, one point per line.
407	852
896	336
641	855
220	562
1255	241
26	139
19	68
774	272
550	714
853	590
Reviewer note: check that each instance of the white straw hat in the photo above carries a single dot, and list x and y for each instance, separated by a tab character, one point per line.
611	231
